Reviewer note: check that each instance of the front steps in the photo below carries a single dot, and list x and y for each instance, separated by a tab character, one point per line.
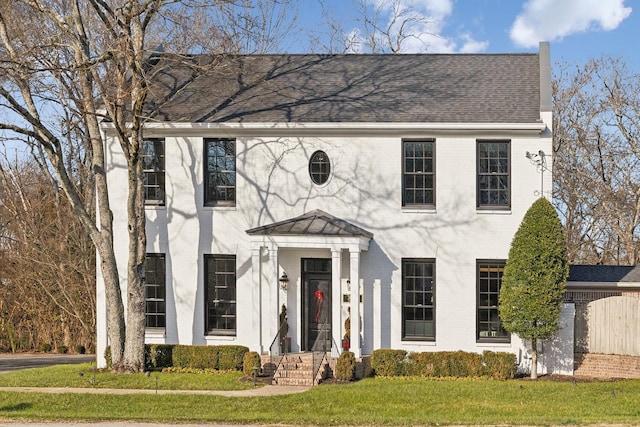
298	369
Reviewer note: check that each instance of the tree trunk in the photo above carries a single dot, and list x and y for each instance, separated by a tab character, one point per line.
534	359
134	347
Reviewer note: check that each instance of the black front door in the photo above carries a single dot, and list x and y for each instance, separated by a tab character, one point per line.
316	305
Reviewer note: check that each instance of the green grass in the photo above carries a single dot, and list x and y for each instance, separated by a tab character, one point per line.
82	375
372	401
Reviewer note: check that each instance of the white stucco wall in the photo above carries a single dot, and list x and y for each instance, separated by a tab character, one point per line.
365	188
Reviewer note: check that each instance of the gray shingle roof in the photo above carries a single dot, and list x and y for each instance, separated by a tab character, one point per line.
604	273
433	88
316	222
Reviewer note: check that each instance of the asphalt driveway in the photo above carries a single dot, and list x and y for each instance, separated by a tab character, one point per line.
14	361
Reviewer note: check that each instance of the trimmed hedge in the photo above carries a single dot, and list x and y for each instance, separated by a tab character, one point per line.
251	360
388	363
195	356
444	364
159	356
231	357
499	365
346	367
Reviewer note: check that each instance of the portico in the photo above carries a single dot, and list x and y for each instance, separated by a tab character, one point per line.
321	255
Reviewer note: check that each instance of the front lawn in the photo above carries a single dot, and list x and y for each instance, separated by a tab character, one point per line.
373	401
82	375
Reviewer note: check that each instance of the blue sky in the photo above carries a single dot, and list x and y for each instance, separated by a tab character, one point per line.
577	29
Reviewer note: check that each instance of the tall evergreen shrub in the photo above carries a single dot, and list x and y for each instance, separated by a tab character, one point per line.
535	278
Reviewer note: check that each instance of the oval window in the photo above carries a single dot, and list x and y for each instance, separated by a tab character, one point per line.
319	167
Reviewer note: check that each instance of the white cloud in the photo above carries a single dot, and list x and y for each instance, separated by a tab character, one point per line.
549	20
472	46
427	30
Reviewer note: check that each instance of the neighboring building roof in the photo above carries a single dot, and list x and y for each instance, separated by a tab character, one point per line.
315	222
418	88
604	273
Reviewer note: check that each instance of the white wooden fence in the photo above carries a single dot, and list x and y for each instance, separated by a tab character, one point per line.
612	326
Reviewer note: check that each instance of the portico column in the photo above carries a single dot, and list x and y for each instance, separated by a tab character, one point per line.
273	285
256	296
336	320
354	267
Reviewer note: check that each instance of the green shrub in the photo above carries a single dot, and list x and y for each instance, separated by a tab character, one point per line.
250	360
431	364
421	364
231	357
195	356
45	347
62	349
535	278
158	356
346	366
499	365
80	349
387	362
461	364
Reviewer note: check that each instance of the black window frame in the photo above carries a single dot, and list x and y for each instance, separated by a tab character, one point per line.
220	183
411	297
153	172
223	279
417	176
493	176
319	168
155	291
489	327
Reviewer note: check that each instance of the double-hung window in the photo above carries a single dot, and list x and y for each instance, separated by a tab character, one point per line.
153	171
418	173
489	280
494	178
155	291
220	288
418	299
219	172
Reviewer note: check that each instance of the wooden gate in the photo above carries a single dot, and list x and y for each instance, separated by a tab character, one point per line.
612	326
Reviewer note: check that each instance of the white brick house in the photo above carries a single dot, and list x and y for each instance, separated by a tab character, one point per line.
397	181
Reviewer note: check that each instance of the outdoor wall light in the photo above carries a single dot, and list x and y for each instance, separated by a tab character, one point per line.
539	159
284	281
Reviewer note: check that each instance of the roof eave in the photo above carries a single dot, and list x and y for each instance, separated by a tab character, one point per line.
265	128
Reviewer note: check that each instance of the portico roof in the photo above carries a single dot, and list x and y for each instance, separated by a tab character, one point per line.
313	223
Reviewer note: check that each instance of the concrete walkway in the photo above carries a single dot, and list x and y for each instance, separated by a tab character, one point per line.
268	390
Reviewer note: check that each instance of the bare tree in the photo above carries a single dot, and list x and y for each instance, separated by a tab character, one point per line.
387	26
38	69
48	296
67	64
255	26
91	53
597	160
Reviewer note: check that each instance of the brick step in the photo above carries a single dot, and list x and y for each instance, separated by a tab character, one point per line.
297	369
297	366
293	381
294	374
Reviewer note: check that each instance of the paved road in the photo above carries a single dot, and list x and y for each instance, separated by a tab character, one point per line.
15	361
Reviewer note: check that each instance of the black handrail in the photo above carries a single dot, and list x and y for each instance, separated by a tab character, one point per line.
282	352
277	335
317	365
